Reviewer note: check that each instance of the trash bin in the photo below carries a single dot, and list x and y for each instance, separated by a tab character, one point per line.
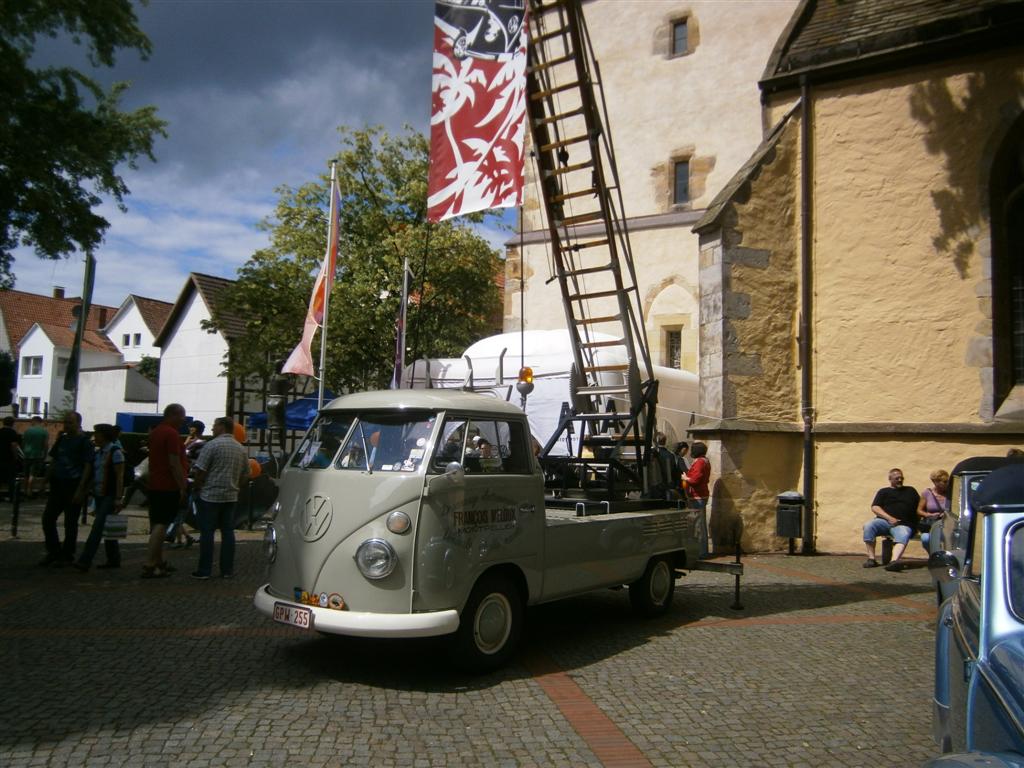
789	515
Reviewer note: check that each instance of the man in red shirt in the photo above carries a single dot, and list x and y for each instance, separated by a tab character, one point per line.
167	485
696	482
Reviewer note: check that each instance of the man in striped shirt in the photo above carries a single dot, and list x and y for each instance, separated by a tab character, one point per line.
220	470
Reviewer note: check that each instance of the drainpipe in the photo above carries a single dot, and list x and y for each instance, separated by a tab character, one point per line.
806	307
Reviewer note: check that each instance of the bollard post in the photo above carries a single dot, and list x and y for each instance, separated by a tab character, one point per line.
249	511
15	506
737	605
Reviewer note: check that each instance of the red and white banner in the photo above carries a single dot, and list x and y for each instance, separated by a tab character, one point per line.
478	109
300	360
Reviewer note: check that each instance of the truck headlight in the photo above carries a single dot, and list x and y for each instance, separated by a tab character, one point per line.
376	559
270	543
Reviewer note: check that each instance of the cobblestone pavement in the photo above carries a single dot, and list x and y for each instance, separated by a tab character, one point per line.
827	665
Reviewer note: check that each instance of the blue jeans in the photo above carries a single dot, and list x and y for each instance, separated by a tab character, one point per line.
214	515
104	507
876	527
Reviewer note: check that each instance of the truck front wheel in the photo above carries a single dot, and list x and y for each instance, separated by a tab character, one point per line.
490	625
651	594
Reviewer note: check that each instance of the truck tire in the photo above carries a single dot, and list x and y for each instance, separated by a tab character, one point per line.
490	625
651	594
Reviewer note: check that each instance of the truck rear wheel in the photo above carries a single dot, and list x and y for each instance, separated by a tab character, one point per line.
651	594
490	625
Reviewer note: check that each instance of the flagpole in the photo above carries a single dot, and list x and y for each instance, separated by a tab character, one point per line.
401	331
75	359
328	284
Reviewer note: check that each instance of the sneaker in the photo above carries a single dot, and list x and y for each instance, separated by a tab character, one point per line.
198	575
895	565
168	567
47	561
149	572
83	567
871	563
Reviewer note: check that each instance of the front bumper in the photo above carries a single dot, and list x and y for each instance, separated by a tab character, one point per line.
366	624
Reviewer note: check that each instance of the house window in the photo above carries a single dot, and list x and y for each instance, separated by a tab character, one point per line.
680	38
125	339
23	405
673	349
35	405
32	366
62	366
681	182
137	340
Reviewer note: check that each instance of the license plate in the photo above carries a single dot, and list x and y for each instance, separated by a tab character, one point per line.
293	615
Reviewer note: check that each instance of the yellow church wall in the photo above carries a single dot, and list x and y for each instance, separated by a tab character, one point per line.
851	468
900	247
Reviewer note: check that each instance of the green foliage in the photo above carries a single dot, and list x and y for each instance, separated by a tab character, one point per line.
150	368
62	135
383	184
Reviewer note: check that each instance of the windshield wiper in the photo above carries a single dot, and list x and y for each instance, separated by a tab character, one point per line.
366	452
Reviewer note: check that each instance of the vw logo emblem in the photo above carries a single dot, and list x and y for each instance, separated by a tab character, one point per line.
316	517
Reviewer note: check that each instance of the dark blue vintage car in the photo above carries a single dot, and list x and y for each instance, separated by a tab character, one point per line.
951	531
979	650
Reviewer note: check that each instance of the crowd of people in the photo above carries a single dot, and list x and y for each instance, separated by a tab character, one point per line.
192	478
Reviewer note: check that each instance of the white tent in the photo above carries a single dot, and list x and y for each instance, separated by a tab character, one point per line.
492	365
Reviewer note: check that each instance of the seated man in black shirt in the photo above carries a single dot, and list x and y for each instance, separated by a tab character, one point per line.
895	509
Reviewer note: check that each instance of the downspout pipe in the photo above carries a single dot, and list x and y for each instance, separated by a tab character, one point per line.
806	313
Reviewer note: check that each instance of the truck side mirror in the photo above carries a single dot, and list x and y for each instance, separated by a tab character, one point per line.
944	566
453	475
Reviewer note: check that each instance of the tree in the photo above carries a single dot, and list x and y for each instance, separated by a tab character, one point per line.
62	136
383	183
150	368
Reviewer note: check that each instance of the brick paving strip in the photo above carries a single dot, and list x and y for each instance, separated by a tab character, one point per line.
604	738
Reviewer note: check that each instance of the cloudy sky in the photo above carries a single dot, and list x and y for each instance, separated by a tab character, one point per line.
253	91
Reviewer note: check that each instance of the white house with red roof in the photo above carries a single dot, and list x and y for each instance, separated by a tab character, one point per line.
135	325
43	354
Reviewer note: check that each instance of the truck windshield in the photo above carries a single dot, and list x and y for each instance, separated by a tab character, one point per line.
387	442
321	443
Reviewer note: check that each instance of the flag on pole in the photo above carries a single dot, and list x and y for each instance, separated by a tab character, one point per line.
74	360
478	107
301	360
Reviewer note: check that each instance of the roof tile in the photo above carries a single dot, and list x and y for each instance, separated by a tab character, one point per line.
20	310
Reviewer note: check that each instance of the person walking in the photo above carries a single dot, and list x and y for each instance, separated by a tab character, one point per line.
34	443
106	476
167	485
220	470
72	454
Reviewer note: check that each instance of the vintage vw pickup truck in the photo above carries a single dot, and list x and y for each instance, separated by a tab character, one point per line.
979	643
413	513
